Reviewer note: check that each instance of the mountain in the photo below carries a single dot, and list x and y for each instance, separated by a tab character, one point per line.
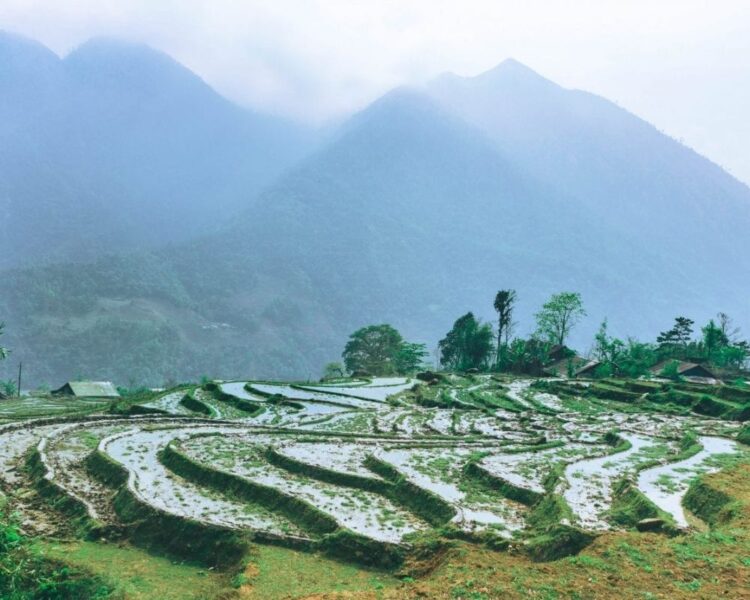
118	147
619	167
415	212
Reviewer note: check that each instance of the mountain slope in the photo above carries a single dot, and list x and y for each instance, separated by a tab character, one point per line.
623	170
410	215
117	147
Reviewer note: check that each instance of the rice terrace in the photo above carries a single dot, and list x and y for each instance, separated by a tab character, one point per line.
405	300
443	485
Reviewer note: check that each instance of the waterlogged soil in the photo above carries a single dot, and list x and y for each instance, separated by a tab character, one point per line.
667	484
528	470
137	451
439	470
518	432
363	512
64	456
588	484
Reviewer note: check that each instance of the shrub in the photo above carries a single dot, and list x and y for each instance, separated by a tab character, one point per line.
26	575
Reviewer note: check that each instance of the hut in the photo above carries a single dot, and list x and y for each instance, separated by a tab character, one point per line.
88	389
685	369
588	369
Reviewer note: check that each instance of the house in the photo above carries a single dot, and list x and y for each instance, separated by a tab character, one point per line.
88	389
567	363
588	369
685	369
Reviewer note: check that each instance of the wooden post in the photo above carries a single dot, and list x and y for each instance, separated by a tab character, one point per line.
20	369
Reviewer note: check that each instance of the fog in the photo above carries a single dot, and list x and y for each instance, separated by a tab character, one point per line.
681	65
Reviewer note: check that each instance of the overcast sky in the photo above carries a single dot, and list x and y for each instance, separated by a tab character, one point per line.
683	65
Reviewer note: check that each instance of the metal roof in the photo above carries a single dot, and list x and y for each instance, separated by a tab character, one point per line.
98	389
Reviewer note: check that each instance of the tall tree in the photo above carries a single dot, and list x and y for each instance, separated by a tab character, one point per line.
558	316
410	357
3	351
380	350
713	339
607	349
467	345
504	304
373	349
676	340
727	326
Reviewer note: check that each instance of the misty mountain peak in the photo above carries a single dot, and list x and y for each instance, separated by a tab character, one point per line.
118	63
511	75
19	54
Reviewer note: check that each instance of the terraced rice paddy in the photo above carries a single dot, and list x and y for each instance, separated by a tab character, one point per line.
362	470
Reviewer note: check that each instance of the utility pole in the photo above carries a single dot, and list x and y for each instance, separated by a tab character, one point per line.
20	370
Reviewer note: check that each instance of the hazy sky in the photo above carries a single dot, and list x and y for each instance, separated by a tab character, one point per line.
684	65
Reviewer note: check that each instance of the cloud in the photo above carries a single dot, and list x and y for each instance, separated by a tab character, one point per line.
680	64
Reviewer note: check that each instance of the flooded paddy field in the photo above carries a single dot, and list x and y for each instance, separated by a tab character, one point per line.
363	470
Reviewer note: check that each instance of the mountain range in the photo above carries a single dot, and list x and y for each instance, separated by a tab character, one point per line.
256	252
118	147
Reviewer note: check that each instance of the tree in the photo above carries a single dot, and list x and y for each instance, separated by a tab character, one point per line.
608	350
713	339
734	356
637	358
527	356
334	370
467	345
410	357
380	350
3	351
676	340
728	329
558	316
504	304
373	349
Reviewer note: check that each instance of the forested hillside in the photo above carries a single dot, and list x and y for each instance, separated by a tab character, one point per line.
419	209
117	147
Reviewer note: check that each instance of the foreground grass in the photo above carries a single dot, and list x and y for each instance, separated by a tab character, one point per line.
282	573
138	575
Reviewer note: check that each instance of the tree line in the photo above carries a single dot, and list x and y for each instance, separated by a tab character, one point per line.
475	345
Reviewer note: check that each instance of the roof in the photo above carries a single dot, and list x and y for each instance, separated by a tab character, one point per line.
99	389
588	367
560	367
682	367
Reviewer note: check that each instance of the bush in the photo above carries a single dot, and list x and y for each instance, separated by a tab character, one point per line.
7	388
671	370
26	575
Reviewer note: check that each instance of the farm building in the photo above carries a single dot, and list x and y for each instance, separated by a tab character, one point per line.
588	369
88	389
685	369
577	365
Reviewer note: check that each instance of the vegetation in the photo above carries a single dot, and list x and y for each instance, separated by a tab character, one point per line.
334	370
3	351
136	574
26	574
468	345
558	316
380	350
505	301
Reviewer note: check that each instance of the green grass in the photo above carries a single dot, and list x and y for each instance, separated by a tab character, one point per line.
305	574
137	574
